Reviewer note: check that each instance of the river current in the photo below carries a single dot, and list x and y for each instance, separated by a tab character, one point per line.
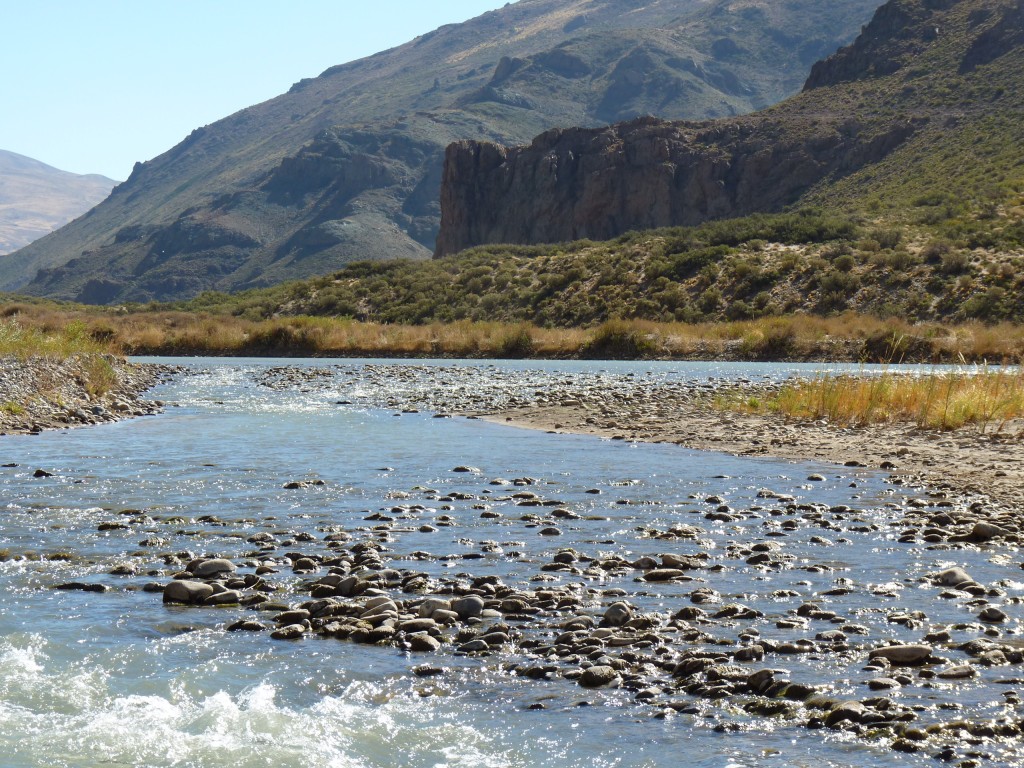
119	678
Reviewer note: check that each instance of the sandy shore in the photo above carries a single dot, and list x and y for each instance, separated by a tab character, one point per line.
967	461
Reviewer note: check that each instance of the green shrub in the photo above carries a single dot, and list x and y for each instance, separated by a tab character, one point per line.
618	340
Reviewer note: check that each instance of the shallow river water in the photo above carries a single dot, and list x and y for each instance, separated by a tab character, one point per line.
119	678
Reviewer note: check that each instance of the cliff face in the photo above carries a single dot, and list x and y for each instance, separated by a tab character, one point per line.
596	184
923	75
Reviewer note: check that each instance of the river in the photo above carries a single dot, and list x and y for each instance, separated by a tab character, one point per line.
119	678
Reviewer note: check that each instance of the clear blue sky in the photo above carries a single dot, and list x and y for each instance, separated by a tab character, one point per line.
91	86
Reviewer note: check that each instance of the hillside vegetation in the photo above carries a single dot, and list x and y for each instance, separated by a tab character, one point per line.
937	262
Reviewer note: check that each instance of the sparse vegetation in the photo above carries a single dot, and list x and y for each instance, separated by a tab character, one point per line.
938	400
60	339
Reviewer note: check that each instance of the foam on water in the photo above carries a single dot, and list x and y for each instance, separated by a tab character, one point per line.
56	715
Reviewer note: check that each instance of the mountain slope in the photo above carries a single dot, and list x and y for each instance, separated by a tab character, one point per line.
927	101
347	165
36	199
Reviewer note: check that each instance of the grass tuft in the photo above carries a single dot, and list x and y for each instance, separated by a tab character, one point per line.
938	400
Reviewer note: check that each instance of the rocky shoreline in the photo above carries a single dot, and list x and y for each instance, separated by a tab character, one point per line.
985	465
41	393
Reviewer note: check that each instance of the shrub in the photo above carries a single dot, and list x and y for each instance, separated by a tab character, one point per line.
887	238
955	263
618	340
515	344
934	251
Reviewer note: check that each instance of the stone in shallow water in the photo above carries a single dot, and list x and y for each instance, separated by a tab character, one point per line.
882	683
951	577
468	607
902	654
962	672
423	643
992	615
208	569
851	711
618	614
187	592
290	632
598	676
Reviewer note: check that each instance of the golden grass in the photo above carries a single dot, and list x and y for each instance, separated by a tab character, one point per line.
938	400
41	328
67	338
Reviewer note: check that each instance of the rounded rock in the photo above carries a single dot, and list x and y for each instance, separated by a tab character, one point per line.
187	592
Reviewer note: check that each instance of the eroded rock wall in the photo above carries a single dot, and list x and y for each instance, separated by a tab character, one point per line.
648	173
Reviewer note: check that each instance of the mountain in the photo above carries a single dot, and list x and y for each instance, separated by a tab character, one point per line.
927	101
347	166
36	199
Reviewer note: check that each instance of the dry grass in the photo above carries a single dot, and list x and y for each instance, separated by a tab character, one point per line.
67	338
938	400
60	330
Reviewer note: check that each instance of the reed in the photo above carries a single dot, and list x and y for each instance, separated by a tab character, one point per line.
942	400
60	340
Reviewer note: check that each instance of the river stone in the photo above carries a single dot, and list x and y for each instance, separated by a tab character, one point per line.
227	597
413	626
468	607
983	531
663	574
992	615
962	672
618	614
292	617
246	625
882	683
290	632
598	676
951	577
906	655
187	592
852	711
421	642
761	679
444	617
209	569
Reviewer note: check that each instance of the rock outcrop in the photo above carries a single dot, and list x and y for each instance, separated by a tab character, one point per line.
599	183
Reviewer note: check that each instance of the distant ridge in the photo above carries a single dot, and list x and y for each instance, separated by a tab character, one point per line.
36	199
347	166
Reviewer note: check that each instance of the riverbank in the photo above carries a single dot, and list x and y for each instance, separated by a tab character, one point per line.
42	392
965	462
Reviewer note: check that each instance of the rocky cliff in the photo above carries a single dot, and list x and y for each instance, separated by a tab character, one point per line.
598	183
915	81
347	166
